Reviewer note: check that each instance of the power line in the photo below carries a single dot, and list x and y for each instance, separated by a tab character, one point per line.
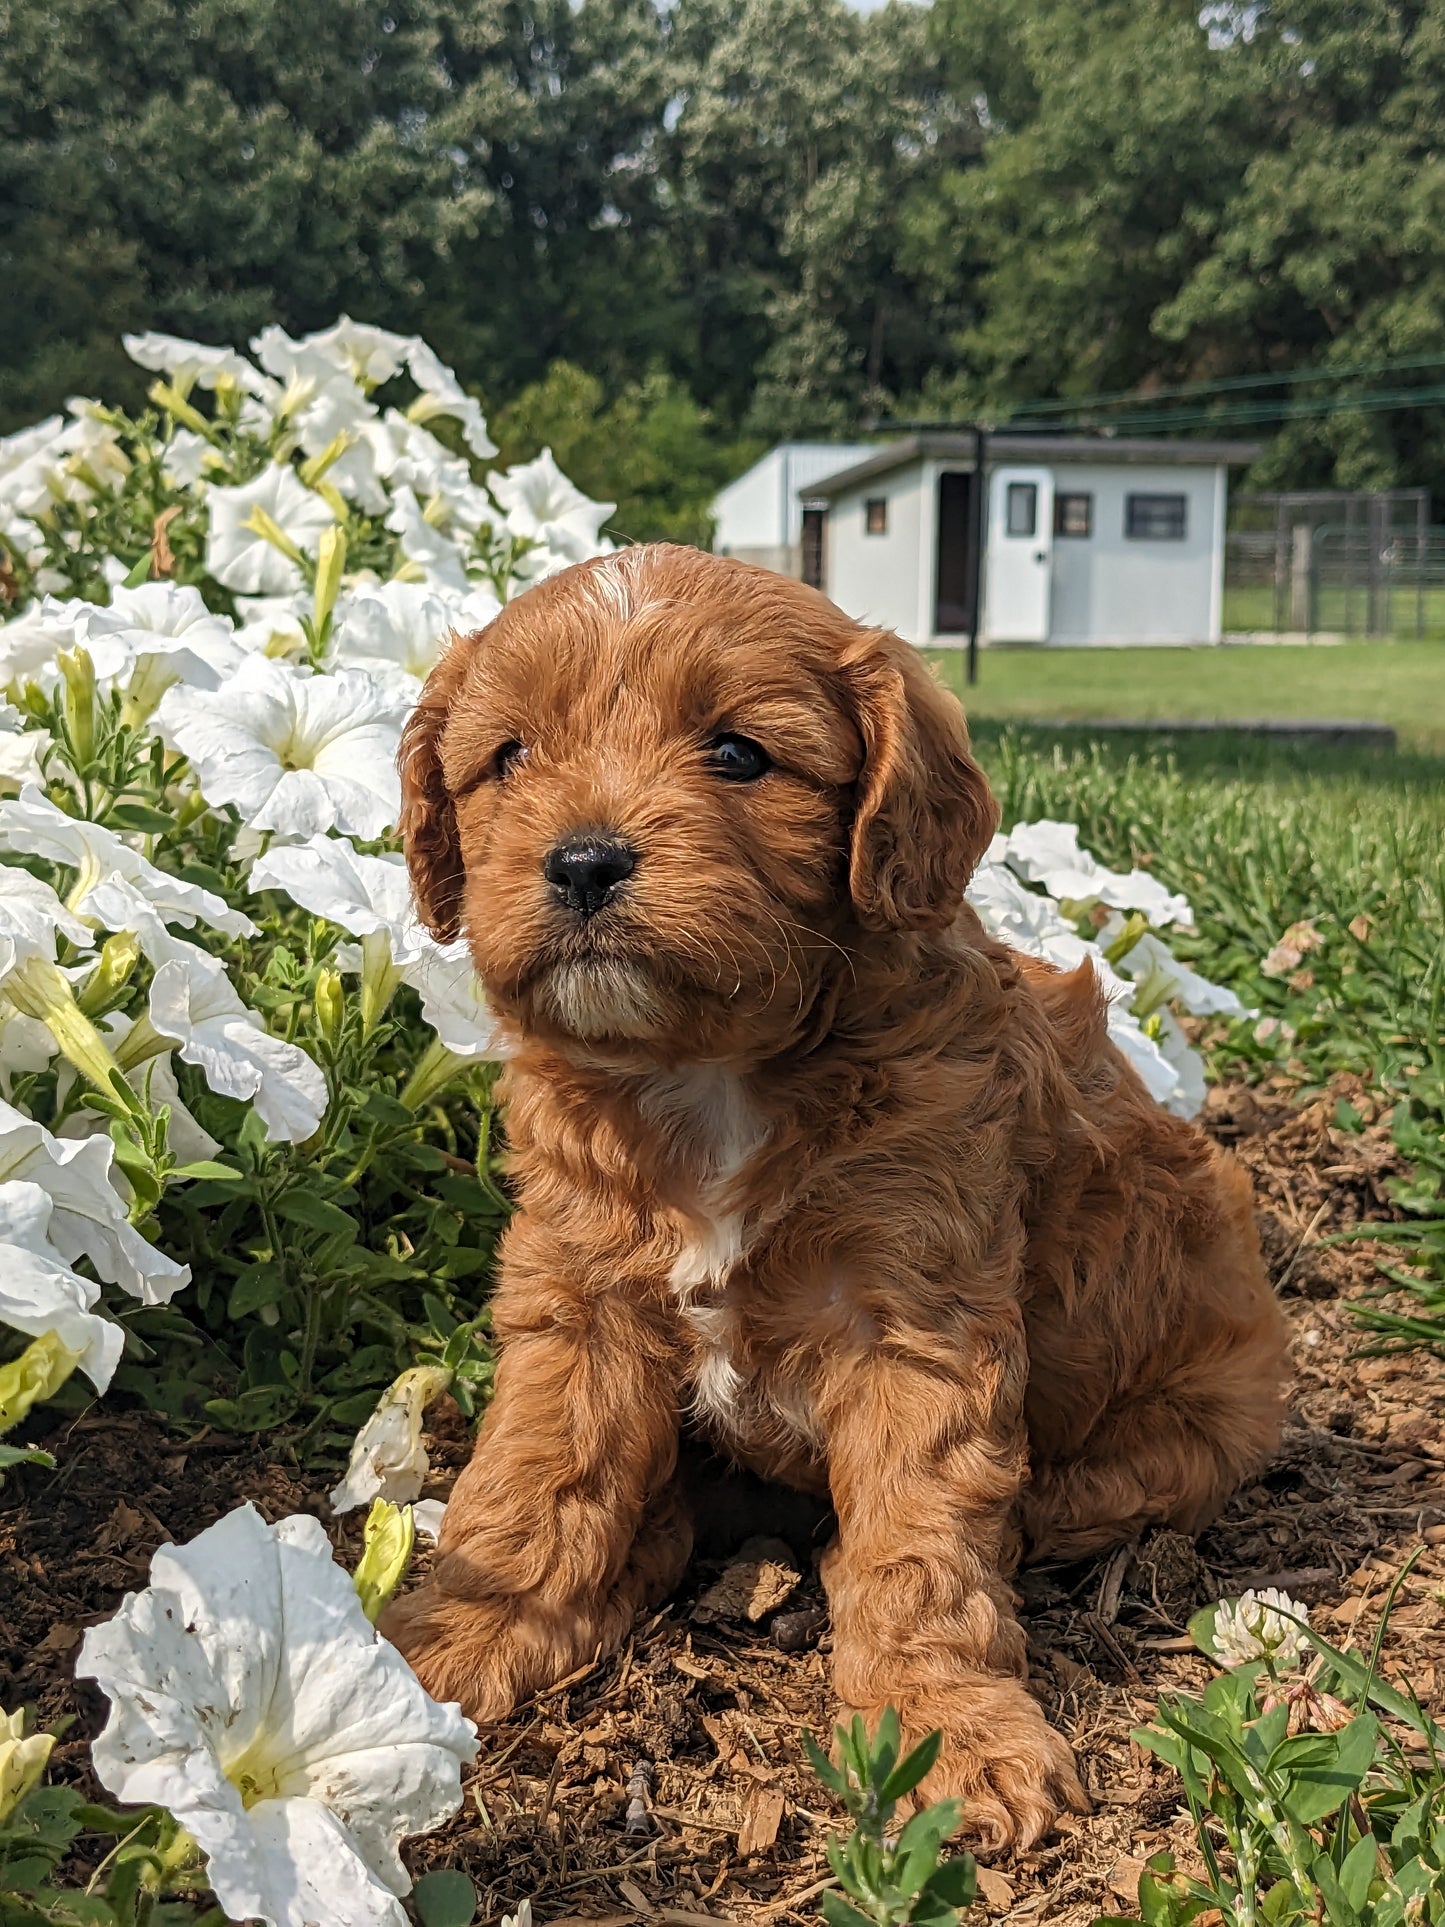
1229	383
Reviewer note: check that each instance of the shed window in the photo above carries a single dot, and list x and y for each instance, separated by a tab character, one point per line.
1021	510
875	515
1156	518
1073	515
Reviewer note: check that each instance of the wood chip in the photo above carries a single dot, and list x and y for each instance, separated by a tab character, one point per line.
762	1578
1124	1877
995	1889
630	1891
761	1821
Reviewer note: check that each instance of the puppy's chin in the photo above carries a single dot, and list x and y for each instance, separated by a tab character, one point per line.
602	997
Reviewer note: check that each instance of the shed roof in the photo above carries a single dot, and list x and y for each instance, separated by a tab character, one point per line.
957	447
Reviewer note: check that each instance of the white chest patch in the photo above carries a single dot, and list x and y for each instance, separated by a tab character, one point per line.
715	1130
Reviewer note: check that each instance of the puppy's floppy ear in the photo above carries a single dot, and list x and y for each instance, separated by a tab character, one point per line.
925	813
428	811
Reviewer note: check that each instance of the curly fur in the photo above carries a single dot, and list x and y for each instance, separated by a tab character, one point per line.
803	1153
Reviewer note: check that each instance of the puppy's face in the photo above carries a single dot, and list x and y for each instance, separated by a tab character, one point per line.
661	791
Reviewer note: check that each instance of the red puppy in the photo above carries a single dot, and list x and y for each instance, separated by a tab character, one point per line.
800	1150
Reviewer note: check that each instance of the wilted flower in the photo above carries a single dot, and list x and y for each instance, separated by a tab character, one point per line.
1292	948
87	1217
251	1697
388	1459
242	550
22	1761
294	752
1255	1626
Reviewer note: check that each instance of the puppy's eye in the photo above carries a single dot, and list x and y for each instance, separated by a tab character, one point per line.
507	758
738	758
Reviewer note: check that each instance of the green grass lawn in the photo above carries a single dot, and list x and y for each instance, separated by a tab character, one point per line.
1390	682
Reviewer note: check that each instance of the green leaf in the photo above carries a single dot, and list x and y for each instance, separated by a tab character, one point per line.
207	1168
445	1898
1319	1789
839	1913
955	1881
23	1455
139	818
305	1208
139	571
1358	1870
258	1285
824	1767
908	1772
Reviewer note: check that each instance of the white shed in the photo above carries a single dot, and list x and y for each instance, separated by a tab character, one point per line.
760	515
1087	539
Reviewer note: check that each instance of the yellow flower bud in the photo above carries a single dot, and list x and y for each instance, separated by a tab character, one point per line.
119	956
22	1761
390	1533
330	561
78	672
330	1006
266	526
36	1375
41	989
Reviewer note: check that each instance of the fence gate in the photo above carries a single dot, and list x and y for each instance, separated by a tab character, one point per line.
1331	562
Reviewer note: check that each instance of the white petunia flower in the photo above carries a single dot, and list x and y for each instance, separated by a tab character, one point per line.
30	643
295	752
544	507
31	825
40	1293
270	625
402	625
1255	1627
1160	978
194	1003
164	619
88	1219
195	1006
353	349
183	459
442	394
1048	852
388	1459
243	558
30	915
371	897
252	1698
190	364
442	559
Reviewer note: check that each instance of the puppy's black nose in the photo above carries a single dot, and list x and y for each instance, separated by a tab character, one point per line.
586	870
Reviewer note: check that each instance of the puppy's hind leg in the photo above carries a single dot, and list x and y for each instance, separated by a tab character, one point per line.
1166	1454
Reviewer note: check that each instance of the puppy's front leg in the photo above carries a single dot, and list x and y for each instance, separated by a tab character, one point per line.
926	1459
564	1523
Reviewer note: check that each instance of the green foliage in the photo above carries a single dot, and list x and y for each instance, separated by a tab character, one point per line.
445	1897
652	449
321	1269
147	1870
890	1880
1353	851
1323	1814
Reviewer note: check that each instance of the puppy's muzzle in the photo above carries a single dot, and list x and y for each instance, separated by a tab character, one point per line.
586	872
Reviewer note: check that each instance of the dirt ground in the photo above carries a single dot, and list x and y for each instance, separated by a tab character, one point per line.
669	1785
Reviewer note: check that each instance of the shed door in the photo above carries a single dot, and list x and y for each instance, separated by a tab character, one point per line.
1020	554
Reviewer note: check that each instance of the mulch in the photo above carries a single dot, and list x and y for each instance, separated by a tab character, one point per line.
669	1785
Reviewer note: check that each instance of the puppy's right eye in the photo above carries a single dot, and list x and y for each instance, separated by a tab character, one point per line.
507	758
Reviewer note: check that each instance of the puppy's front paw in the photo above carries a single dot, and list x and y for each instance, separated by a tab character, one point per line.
1014	1774
461	1649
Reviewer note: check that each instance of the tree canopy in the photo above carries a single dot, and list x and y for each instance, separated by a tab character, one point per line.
737	219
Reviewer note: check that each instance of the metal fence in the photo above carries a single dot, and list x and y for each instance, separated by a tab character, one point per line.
1335	563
